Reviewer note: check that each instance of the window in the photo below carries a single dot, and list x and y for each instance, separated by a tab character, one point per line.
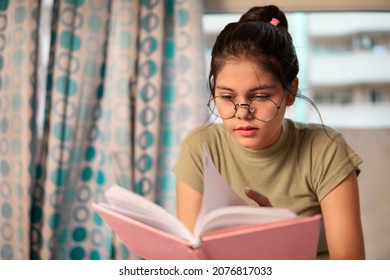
333	96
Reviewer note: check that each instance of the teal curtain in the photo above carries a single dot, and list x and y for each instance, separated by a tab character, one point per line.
18	92
125	83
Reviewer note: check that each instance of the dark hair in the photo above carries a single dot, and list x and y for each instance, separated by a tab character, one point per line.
254	38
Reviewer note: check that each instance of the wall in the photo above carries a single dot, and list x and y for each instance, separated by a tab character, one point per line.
373	145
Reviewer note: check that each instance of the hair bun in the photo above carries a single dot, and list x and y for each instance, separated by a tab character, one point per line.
265	14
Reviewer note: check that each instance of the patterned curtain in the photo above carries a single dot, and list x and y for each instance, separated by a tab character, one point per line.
125	83
18	80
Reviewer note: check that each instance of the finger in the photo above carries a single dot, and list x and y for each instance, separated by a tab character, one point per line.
257	197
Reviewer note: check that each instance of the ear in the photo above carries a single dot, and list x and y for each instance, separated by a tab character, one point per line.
292	95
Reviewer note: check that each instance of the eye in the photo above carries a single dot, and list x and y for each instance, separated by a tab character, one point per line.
260	98
227	97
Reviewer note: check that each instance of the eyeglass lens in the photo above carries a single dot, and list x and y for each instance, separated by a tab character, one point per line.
263	109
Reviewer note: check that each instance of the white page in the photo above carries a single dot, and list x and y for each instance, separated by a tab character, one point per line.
216	192
138	208
232	216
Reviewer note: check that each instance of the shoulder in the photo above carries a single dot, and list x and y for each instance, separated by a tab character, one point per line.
324	154
209	135
313	133
205	134
320	145
213	136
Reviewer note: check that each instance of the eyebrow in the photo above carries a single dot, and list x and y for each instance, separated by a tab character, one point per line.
259	88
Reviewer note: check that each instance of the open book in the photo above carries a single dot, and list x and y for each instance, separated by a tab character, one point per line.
226	228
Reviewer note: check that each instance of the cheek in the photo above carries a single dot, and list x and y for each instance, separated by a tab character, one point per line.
228	124
281	113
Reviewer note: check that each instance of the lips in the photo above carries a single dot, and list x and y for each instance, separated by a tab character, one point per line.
246	131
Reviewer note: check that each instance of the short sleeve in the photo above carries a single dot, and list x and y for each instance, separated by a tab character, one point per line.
189	164
333	160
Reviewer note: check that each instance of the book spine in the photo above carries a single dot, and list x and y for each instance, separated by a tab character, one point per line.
200	254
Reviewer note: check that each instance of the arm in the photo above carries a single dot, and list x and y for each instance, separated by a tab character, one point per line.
188	203
343	227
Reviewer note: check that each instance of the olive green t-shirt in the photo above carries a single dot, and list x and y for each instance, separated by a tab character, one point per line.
296	172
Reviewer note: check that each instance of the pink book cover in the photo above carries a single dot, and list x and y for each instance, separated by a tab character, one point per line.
145	241
296	238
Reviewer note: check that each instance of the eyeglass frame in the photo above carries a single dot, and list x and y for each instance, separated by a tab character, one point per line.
237	105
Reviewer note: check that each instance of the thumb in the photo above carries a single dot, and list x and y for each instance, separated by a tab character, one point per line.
257	197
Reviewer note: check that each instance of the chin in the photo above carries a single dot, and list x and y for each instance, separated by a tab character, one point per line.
250	145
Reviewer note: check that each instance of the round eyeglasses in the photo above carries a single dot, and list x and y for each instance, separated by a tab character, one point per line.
261	107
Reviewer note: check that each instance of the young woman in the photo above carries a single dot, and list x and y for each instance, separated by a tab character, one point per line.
307	168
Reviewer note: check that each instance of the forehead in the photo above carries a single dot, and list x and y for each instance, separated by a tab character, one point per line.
244	71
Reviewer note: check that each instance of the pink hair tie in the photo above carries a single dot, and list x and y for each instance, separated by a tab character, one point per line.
274	21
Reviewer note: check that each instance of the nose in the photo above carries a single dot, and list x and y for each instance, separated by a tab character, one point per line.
246	113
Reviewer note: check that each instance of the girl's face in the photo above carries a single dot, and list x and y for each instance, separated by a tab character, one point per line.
241	81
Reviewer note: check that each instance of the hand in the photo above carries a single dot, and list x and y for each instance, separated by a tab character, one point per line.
257	197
